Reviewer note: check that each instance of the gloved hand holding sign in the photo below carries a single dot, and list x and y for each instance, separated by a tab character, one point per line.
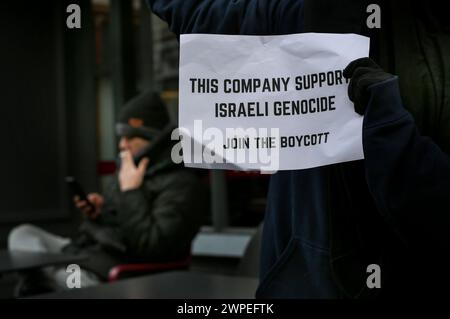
363	73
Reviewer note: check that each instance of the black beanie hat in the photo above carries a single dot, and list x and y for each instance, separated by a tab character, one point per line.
143	116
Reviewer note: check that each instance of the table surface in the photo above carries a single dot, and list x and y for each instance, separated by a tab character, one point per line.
168	285
11	261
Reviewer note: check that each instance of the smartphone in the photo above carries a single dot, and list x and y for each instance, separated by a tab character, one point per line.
77	190
156	144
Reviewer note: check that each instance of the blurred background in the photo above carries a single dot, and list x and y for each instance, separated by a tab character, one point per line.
61	89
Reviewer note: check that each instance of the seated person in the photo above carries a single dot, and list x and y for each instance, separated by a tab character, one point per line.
151	212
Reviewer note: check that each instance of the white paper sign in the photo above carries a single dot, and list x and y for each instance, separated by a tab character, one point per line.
268	102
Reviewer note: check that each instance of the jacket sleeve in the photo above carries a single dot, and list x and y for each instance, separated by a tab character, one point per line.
407	174
230	16
163	226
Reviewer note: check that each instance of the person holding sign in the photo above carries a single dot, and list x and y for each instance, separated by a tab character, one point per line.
303	194
324	226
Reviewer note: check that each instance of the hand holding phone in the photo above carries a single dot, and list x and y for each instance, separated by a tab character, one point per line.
90	204
131	176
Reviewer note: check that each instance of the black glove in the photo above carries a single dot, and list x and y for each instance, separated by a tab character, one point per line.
363	73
